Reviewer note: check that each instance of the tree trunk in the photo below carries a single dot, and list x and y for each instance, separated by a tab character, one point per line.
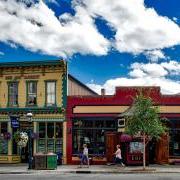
144	151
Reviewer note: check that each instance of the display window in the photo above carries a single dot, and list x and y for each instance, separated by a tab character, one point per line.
3	141
50	137
91	132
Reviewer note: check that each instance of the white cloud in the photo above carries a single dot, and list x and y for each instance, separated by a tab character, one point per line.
155	55
145	75
38	29
150	69
175	19
1	53
137	28
173	67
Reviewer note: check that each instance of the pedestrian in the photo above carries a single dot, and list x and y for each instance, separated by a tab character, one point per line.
84	156
118	156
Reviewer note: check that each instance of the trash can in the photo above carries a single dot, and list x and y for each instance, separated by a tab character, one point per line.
39	162
51	161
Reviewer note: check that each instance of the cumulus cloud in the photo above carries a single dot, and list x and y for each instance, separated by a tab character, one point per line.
138	29
155	55
37	28
141	74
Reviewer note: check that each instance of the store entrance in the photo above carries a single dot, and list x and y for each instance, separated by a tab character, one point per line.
22	151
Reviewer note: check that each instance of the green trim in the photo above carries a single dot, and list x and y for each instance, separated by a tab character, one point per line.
32	63
34	110
30	81
47	81
8	83
64	90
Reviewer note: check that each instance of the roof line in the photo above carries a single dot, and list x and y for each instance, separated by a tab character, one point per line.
82	84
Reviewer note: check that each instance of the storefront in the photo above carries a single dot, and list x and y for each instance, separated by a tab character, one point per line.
39	88
97	122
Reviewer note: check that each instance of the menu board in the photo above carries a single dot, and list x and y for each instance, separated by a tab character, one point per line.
136	147
3	146
41	145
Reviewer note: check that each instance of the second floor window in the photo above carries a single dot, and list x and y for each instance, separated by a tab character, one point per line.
13	94
32	93
50	93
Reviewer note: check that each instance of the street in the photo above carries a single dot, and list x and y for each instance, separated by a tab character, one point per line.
157	176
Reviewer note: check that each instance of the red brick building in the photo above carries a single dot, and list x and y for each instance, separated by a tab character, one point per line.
95	120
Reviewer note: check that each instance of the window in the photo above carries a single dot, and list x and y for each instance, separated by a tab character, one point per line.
13	94
92	133
50	93
3	141
50	137
32	93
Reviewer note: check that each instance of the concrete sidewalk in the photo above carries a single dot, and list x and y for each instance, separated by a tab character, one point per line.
101	169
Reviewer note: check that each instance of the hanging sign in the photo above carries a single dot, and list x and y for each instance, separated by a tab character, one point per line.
14	121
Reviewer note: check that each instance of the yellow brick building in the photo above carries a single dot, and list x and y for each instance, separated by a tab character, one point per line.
39	88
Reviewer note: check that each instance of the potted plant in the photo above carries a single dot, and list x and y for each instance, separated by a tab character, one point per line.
21	138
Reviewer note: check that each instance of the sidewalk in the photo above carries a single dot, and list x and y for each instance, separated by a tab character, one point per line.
101	169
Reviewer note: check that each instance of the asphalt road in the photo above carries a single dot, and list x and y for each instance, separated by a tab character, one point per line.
165	176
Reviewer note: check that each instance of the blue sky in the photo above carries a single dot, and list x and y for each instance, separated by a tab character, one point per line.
106	43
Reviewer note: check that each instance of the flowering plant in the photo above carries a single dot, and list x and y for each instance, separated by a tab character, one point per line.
7	135
34	135
21	138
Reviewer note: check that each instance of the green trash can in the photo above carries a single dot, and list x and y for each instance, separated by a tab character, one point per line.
51	161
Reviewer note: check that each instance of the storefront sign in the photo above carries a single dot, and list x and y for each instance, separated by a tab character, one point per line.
14	121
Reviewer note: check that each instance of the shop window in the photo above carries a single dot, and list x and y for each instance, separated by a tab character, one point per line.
13	94
50	93
32	93
92	133
50	138
50	130
3	141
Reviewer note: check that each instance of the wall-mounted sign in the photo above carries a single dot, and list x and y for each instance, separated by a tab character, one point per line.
14	121
19	77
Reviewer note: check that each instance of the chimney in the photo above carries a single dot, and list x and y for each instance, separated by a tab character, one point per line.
103	92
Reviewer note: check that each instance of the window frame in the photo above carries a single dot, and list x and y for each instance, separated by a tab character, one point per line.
54	139
9	83
94	130
46	95
27	93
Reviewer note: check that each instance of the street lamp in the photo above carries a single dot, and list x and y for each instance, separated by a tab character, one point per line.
29	118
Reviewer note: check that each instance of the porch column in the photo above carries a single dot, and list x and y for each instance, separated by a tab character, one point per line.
64	142
11	140
35	140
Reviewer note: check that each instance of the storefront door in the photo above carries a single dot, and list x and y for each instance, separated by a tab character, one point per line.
111	142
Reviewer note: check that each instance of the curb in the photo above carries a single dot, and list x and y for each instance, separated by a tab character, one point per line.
89	172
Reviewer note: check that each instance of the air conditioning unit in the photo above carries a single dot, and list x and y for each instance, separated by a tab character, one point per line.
121	123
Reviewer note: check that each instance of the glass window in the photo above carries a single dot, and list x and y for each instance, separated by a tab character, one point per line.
13	94
92	133
50	93
50	137
32	93
3	141
50	130
42	130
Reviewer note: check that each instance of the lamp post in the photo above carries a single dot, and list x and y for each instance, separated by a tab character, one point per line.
29	118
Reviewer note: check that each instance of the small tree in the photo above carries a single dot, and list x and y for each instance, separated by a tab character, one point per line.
144	120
